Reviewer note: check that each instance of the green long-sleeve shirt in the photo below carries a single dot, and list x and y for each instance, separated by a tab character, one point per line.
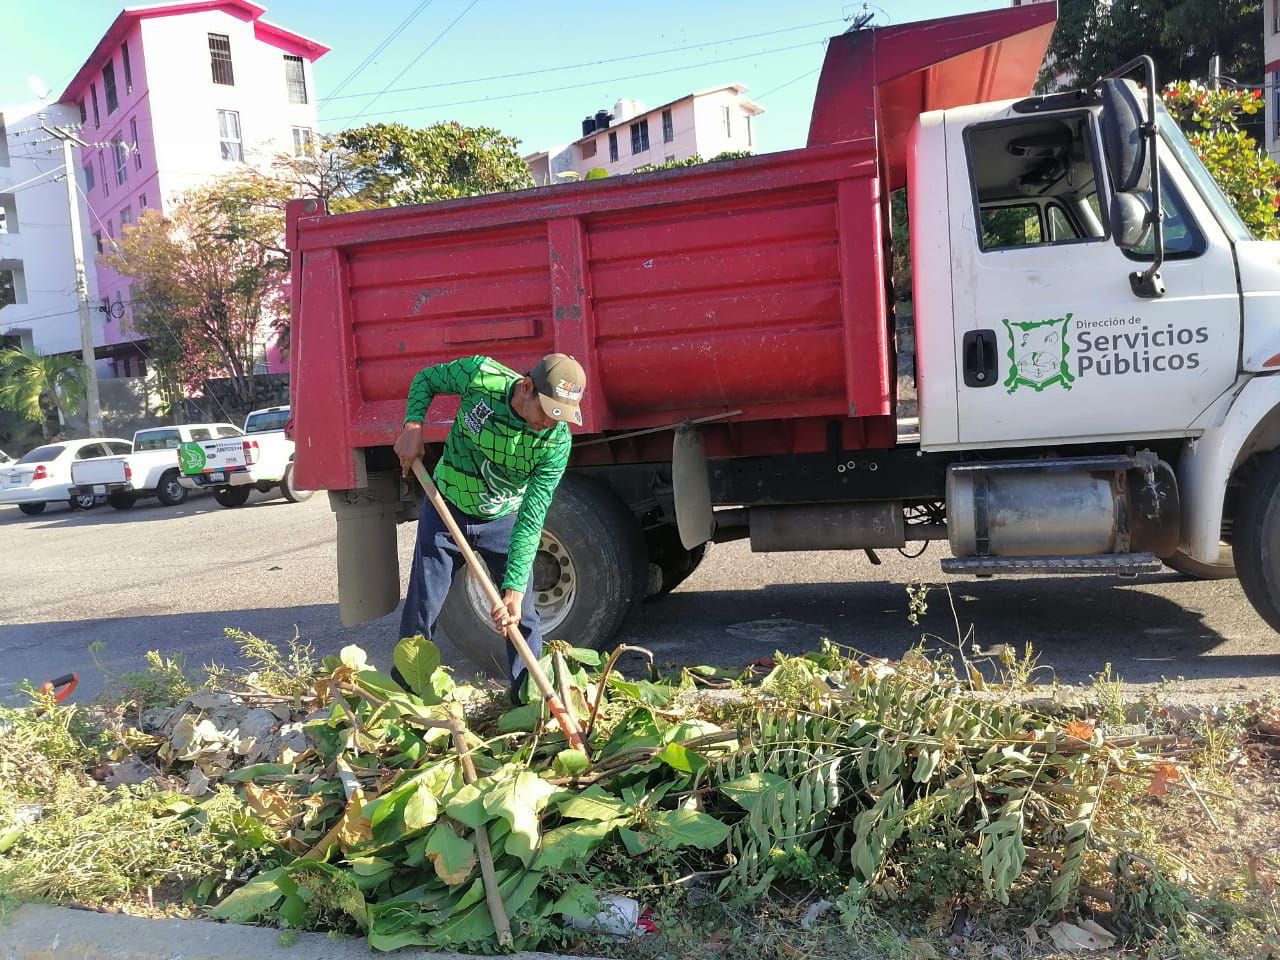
494	462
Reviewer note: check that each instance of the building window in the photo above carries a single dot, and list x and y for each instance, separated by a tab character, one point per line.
102	168
142	201
1275	86
93	95
229	135
640	136
121	156
137	150
750	138
109	88
8	288
295	79
728	122
589	149
1275	16
105	306
128	70
4	222
84	114
303	138
668	127
613	146
126	218
220	59
89	182
97	240
111	229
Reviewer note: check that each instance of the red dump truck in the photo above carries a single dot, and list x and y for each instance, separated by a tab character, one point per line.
1096	383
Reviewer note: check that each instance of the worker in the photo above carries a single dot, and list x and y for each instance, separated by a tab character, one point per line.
503	458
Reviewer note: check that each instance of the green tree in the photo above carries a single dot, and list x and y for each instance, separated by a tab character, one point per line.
1211	120
40	388
389	164
1094	37
210	280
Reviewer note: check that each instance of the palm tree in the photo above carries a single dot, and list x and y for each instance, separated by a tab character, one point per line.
41	387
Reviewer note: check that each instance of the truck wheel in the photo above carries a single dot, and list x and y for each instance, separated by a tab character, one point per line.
232	496
31	509
121	501
588	575
170	492
83	501
290	492
1224	569
1257	539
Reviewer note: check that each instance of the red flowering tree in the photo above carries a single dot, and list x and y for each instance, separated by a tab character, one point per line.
1210	119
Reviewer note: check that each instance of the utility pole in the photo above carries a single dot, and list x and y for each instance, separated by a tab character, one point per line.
93	403
1215	71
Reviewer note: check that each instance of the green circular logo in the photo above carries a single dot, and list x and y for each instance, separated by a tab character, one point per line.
191	457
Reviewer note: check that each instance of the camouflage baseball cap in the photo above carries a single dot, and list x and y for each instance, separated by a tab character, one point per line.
560	382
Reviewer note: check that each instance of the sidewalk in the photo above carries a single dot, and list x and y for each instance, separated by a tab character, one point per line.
36	932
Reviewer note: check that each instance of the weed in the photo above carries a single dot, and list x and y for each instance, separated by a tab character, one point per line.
284	673
163	683
1108	692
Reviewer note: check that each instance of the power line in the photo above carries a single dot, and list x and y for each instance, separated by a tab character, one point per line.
769	93
578	86
377	50
590	63
17	187
412	63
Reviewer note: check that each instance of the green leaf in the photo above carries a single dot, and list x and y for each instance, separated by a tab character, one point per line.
293	911
520	720
678	758
654	694
749	791
578	902
568	847
595	803
421	809
637	843
638	729
251	901
388	942
518	801
255	770
592	658
417	659
353	657
453	857
467	806
377	683
570	763
687	828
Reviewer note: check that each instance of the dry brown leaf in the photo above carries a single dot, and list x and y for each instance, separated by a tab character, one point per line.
1165	773
1080	729
1084	936
269	803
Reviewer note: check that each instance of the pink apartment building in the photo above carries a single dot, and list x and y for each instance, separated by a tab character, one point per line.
171	97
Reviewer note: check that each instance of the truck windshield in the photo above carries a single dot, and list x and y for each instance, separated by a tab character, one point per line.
1205	184
156	440
266	421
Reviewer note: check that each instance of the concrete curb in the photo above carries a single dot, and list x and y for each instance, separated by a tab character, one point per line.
36	932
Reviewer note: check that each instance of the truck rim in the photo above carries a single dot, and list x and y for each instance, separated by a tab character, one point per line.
555	582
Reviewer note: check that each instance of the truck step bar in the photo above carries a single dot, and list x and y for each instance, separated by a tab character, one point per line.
1118	564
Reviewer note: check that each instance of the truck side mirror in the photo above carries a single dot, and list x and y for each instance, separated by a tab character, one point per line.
1130	220
1123	139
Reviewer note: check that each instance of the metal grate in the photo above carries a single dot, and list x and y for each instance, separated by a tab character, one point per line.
295	78
220	59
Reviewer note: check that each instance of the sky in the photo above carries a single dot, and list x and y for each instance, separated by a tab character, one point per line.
531	70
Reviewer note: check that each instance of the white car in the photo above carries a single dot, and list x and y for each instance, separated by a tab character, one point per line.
43	476
262	460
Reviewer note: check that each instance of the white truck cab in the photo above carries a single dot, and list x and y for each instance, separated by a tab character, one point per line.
260	460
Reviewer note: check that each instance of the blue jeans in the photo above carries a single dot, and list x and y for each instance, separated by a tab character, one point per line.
436	559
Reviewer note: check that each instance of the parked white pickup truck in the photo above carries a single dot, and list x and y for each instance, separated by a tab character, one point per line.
262	460
150	470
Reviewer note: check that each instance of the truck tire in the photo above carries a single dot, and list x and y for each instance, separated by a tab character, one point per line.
592	552
670	564
31	509
169	491
121	501
232	496
83	501
1256	546
1224	569
289	491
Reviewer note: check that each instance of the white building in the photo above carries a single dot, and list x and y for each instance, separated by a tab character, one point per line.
705	123
1271	57
37	272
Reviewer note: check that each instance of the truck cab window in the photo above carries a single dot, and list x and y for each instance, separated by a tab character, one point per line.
1034	182
1182	237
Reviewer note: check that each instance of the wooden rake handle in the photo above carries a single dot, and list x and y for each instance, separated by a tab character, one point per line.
563	717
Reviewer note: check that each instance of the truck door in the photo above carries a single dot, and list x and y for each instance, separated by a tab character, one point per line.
1051	344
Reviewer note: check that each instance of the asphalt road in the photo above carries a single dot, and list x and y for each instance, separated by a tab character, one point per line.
173	578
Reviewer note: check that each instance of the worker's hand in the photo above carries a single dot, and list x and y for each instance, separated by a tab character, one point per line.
507	613
409	447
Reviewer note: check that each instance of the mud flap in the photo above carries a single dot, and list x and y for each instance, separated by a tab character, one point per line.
691	480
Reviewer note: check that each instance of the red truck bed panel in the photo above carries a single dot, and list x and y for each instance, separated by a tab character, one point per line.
755	285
